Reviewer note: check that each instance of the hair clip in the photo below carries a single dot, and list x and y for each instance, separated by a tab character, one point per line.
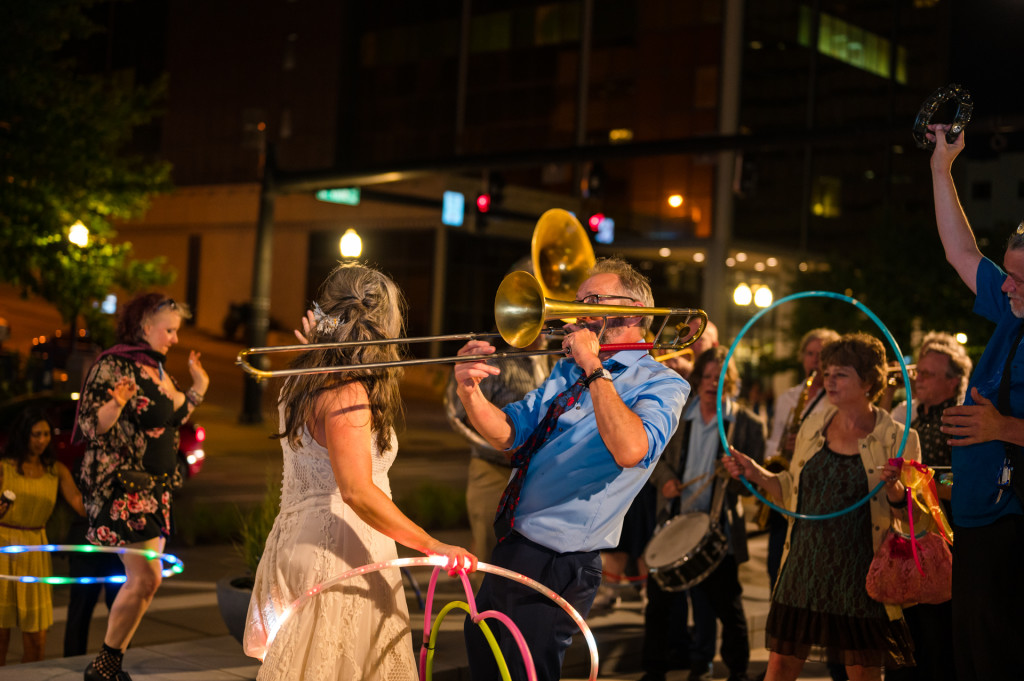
324	323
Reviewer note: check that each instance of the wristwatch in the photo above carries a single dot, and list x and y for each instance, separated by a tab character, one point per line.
598	373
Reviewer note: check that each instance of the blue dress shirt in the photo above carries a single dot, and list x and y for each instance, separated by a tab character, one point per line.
976	467
575	495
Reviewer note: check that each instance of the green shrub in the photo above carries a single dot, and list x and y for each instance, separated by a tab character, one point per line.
256	524
435	506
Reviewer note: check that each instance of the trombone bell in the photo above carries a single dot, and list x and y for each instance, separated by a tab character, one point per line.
520	310
561	253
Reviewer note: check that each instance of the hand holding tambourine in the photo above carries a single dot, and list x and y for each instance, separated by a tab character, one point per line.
931	105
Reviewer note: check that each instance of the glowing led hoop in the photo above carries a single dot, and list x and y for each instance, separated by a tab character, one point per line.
428	649
175	564
906	382
439	562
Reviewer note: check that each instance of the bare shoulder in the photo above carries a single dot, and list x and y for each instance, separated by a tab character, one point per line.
349	400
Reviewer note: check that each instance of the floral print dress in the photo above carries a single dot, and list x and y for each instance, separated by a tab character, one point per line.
124	505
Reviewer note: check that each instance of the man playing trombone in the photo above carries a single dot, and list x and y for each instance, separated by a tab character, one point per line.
582	445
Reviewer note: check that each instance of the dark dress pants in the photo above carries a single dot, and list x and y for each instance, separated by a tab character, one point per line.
988	599
547	629
82	598
722	591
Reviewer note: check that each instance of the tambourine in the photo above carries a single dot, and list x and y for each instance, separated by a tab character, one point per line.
964	106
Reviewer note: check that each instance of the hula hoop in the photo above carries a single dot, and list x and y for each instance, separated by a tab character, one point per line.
427	671
175	565
906	382
438	562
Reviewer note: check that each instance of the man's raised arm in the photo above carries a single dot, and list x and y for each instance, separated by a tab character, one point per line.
954	230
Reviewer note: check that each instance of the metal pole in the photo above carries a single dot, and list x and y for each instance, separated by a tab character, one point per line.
812	96
440	278
460	85
728	123
583	84
259	316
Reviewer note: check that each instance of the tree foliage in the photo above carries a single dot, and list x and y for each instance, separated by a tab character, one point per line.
64	135
899	272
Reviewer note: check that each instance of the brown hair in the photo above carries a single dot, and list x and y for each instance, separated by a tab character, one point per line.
716	355
140	310
18	446
358	303
864	353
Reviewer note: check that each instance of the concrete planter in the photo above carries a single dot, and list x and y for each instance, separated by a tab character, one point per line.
233	594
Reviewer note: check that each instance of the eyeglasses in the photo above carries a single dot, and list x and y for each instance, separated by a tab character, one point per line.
596	298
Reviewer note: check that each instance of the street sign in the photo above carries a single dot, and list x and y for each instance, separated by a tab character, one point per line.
346	195
453	208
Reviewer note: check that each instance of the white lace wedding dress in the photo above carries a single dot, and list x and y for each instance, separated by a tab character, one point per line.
357	629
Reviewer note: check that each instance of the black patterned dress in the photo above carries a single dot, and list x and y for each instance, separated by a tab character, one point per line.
820	599
144	439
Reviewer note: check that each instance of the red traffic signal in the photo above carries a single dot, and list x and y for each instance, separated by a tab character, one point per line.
595	221
483	203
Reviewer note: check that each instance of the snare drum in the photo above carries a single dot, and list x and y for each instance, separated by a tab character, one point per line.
685	550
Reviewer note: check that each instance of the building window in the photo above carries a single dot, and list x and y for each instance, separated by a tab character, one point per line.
825	197
852	45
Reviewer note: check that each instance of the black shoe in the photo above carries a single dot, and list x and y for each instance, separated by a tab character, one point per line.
700	674
92	675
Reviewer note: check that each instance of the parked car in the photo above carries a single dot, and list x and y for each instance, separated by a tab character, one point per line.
61	407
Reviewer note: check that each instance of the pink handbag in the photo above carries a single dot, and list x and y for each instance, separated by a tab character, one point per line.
895	579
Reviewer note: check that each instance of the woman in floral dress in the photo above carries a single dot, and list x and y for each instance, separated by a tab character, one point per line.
130	412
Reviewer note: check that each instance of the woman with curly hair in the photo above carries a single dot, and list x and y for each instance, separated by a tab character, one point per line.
338	441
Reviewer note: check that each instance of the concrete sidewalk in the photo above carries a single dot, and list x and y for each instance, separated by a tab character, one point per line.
183	638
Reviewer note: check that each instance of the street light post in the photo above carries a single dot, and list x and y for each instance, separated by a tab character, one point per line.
259	317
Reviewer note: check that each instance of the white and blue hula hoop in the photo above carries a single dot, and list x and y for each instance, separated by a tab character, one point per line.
906	382
174	564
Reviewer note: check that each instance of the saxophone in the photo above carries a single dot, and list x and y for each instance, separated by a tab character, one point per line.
780	462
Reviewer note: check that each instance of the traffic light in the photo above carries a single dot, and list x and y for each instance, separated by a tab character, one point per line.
595	221
483	203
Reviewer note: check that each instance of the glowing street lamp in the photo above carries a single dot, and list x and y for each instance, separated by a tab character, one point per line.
742	295
762	296
350	245
78	234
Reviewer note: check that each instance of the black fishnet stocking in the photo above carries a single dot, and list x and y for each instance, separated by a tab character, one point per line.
108	663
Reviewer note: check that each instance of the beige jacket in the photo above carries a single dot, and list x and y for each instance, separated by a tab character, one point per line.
875	451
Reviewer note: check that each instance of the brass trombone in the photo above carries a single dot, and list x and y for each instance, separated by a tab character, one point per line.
521	308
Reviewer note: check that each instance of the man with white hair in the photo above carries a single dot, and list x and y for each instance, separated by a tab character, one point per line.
940	382
987	432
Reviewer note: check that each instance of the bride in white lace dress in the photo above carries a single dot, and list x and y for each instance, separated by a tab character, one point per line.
336	510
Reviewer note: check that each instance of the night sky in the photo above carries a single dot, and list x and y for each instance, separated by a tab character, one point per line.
986	54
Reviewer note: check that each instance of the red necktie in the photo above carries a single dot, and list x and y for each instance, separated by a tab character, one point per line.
504	519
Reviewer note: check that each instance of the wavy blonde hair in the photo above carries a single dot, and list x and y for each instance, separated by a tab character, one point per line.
358	303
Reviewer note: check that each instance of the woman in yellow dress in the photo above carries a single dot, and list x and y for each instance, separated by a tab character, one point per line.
30	471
